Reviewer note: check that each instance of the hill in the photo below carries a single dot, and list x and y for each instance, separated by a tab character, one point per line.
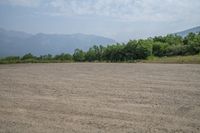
20	43
186	32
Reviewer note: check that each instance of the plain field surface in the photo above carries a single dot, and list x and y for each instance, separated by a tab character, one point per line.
98	98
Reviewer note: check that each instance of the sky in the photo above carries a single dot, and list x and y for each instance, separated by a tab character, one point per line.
117	19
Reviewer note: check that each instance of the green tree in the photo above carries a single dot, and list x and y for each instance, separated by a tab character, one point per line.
28	56
79	55
114	53
91	55
192	41
159	48
144	48
130	50
46	57
63	56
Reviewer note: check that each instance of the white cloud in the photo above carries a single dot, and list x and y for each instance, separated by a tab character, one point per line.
123	10
130	10
28	3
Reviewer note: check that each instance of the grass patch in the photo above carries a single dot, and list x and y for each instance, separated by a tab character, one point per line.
192	59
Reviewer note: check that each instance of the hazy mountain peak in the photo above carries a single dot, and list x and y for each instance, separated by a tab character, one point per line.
186	32
40	44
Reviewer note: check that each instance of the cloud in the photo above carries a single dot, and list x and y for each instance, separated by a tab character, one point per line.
130	10
121	10
26	3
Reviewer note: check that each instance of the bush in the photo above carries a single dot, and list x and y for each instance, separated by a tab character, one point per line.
28	56
79	55
63	57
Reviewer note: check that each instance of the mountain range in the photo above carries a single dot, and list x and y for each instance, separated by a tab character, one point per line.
186	32
18	43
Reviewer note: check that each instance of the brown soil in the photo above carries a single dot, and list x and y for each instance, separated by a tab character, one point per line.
92	97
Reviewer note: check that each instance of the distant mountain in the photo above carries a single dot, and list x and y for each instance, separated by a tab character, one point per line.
20	43
186	32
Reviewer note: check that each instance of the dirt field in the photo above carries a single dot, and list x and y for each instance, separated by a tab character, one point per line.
110	98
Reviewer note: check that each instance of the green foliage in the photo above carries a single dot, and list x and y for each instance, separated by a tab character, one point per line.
28	56
195	59
144	49
95	53
172	45
173	39
63	57
130	50
12	58
46	57
91	55
169	39
193	43
79	55
161	46
114	53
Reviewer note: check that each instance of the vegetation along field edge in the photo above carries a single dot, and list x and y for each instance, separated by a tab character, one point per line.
160	49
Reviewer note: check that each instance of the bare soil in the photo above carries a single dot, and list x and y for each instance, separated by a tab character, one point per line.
98	98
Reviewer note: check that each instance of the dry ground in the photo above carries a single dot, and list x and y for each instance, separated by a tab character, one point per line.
111	98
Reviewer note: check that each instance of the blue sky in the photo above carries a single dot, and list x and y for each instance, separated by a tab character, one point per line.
118	19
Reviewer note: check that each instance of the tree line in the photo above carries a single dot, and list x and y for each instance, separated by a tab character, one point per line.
169	45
